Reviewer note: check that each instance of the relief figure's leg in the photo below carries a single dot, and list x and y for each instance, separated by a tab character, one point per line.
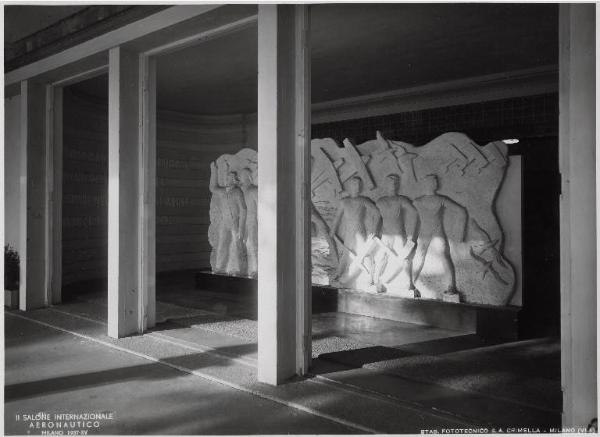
396	264
223	249
386	268
237	255
408	265
381	261
369	264
342	265
448	265
420	255
252	249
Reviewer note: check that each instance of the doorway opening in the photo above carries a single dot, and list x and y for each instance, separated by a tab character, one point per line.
84	206
206	142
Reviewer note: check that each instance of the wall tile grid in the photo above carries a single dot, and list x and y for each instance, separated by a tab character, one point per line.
483	122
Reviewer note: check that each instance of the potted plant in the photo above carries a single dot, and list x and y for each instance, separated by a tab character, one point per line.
11	277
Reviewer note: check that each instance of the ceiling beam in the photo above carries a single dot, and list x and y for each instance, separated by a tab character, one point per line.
138	29
518	83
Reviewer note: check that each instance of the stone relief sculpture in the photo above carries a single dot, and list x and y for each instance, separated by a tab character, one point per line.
390	217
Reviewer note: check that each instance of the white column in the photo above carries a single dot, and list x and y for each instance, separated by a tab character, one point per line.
33	272
128	309
54	160
577	144
284	287
147	188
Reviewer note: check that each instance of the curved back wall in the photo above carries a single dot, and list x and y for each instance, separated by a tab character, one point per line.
185	147
186	144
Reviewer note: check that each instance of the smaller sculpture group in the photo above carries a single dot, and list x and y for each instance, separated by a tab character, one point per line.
236	250
393	236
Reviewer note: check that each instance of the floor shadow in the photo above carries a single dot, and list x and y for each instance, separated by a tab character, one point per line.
504	371
447	345
222	356
68	383
359	357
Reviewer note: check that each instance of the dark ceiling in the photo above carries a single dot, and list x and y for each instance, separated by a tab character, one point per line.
21	21
364	48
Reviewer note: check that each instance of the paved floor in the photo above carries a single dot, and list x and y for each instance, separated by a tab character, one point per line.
54	372
58	362
195	373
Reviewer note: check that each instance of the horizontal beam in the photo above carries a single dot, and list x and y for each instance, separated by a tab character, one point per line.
516	83
203	36
138	29
84	75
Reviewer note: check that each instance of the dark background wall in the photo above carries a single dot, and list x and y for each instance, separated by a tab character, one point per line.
522	117
185	147
85	189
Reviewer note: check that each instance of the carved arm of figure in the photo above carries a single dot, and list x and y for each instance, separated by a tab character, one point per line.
213	185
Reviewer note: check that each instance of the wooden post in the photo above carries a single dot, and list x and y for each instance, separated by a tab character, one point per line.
33	271
127	295
577	147
284	287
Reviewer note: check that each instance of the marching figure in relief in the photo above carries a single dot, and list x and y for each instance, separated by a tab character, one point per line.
230	253
358	219
433	243
398	235
250	191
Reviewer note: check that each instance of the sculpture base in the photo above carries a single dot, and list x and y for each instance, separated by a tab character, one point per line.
226	283
489	322
451	297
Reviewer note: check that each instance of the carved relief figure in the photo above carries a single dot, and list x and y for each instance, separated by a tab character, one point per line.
230	251
433	242
398	235
357	220
250	191
431	237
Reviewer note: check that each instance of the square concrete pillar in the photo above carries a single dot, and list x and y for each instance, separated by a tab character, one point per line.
284	268
577	148
33	291
54	165
130	300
